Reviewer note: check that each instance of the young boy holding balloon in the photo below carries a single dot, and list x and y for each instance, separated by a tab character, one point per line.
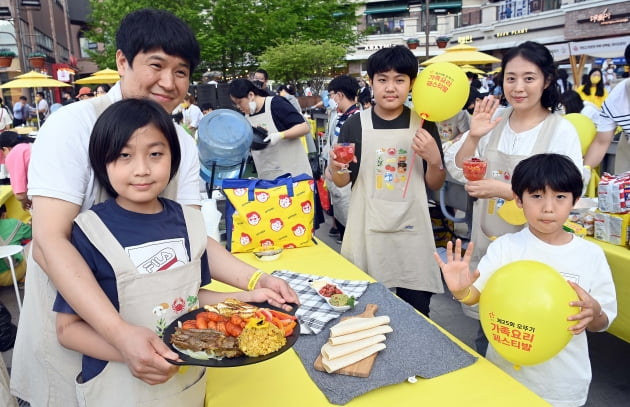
388	232
545	186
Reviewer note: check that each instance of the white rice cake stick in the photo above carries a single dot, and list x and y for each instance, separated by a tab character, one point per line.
379	330
335	351
344	361
352	325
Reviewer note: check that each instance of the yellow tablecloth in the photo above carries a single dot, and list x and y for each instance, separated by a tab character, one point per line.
619	260
283	381
14	207
24	130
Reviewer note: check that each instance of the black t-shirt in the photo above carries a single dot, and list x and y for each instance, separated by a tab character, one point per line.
352	132
284	114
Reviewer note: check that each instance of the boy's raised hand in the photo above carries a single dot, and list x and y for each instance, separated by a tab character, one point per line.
456	270
590	316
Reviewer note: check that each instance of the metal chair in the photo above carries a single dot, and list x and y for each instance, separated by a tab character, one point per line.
7	252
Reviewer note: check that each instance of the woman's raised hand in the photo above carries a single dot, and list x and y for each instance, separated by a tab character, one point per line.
481	121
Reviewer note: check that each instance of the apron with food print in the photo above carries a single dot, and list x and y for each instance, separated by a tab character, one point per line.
152	300
50	381
288	156
388	236
487	225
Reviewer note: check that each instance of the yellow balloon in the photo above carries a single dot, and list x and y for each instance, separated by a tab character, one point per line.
585	127
523	311
440	91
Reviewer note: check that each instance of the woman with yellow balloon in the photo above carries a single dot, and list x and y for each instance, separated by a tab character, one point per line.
539	289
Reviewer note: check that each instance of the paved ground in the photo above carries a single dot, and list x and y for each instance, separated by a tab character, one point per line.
610	356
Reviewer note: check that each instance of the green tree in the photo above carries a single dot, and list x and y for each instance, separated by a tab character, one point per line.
295	61
106	15
233	33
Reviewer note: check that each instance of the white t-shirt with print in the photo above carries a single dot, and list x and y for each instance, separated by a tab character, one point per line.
564	379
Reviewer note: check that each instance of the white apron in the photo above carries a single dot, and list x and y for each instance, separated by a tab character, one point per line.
388	236
138	296
487	225
43	372
288	156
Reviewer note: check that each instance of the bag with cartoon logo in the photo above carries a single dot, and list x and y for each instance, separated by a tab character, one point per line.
269	213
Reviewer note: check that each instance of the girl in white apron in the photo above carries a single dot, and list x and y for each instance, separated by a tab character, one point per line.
152	247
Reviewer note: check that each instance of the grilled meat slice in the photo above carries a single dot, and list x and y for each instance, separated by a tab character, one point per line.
212	342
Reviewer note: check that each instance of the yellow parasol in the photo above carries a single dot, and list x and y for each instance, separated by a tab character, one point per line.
462	54
472	69
495	71
33	79
103	76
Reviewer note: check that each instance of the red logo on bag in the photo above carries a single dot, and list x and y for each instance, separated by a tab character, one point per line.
240	191
299	230
253	218
266	243
285	201
307	207
289	246
245	239
276	224
262	196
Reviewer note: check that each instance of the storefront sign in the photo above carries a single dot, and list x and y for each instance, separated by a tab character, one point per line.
604	48
374	47
466	39
605	18
512	32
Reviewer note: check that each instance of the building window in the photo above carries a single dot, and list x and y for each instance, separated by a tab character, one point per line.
386	18
385	24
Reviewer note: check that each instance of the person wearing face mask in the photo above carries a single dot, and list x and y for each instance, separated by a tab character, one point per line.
285	127
593	89
342	91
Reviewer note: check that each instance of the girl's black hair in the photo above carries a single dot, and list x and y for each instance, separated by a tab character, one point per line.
240	88
116	125
10	139
397	58
540	56
572	102
599	88
555	171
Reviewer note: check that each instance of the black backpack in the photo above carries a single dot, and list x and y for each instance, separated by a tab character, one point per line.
7	329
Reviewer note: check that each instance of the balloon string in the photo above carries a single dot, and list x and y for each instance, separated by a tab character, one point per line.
413	160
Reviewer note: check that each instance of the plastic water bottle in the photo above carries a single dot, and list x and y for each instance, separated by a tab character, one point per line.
224	139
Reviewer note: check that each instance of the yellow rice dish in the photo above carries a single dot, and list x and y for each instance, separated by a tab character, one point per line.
260	338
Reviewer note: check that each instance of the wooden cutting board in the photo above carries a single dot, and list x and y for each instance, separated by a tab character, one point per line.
363	367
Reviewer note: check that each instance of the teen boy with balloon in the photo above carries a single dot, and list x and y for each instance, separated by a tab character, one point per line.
545	186
389	233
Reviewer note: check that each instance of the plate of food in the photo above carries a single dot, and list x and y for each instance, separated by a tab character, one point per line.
333	295
231	333
268	253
